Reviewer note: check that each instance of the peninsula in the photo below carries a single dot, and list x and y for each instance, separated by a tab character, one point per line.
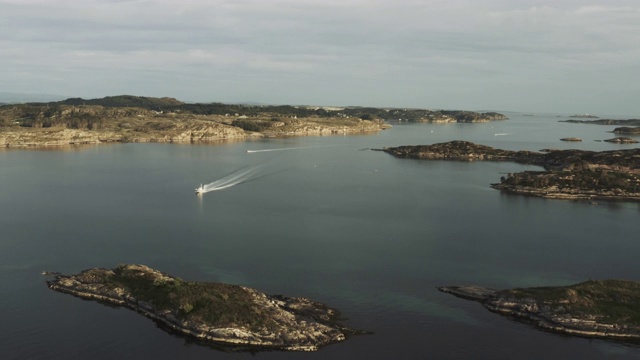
223	314
607	309
129	118
629	122
569	174
632	126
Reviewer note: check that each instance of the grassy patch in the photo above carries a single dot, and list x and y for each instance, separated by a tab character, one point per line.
217	304
611	301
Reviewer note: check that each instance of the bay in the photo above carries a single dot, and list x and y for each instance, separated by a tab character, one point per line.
320	217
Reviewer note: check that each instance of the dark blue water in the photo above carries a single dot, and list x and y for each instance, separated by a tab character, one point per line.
359	230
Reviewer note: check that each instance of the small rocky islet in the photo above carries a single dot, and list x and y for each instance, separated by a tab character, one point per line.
231	316
606	309
622	140
568	174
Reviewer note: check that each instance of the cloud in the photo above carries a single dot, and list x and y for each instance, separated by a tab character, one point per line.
599	10
404	45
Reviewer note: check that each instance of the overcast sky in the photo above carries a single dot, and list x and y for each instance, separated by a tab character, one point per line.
528	55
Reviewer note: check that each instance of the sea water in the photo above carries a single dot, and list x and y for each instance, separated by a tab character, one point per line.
321	217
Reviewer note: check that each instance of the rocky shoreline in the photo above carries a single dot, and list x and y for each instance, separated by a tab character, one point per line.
631	128
222	314
446	117
18	137
569	174
622	140
630	122
127	118
178	129
598	309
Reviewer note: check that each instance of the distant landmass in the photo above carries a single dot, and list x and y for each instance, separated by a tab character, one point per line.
569	174
215	108
630	122
584	116
632	125
18	98
129	118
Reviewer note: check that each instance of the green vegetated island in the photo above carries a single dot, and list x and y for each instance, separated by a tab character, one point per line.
231	316
143	119
568	174
607	309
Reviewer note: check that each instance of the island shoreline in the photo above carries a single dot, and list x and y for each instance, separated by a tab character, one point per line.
297	324
554	316
568	174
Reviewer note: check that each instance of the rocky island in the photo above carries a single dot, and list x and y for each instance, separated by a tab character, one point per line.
608	309
223	314
451	116
625	130
632	126
622	140
569	174
140	119
629	122
129	118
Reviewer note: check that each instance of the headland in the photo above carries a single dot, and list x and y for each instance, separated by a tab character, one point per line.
569	174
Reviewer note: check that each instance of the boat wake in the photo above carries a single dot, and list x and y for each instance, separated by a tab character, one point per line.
289	148
235	178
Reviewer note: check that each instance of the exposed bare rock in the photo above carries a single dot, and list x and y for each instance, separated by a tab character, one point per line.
569	174
625	130
605	309
630	122
125	132
221	313
58	124
461	151
632	125
471	292
455	116
622	140
127	118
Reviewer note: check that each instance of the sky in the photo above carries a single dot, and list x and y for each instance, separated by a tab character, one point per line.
513	55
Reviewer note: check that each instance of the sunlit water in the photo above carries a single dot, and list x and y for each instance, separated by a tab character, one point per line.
327	219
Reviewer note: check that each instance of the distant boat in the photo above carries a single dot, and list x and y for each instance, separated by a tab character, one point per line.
200	189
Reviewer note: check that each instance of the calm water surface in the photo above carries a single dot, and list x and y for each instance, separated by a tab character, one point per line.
359	230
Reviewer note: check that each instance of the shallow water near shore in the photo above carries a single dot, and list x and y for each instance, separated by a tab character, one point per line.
327	219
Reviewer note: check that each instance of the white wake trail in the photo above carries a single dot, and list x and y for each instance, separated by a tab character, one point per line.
289	148
229	179
233	179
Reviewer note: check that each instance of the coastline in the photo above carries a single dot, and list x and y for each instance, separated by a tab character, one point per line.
581	310
129	118
18	137
568	174
260	321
